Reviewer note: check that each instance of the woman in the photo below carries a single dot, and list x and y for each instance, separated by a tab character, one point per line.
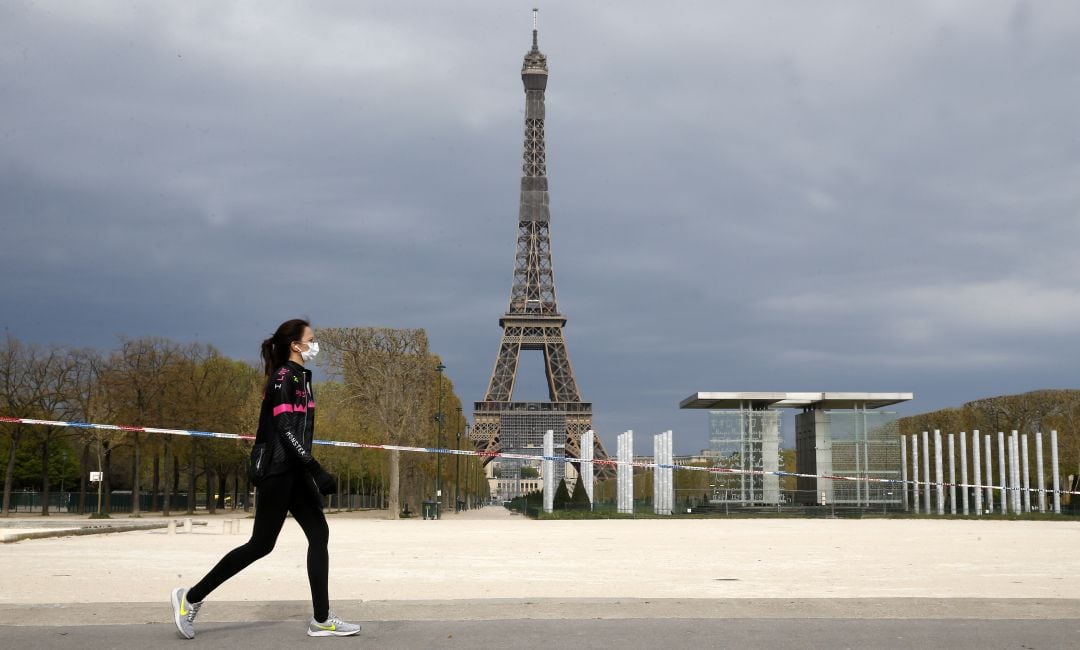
291	481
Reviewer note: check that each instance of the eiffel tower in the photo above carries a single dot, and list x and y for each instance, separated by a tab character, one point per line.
533	321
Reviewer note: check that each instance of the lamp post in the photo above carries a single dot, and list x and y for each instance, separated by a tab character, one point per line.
457	467
438	457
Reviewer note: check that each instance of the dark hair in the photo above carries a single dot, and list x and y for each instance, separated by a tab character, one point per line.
275	350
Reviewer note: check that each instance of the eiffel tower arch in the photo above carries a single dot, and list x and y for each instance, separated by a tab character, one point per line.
533	320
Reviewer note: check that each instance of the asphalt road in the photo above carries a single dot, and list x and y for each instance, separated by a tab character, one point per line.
629	634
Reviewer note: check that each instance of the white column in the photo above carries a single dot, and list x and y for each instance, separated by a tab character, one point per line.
963	472
549	470
663	494
656	474
1014	441
669	475
625	473
1056	473
976	461
938	473
926	471
1025	474
903	472
988	450
915	469
587	464
952	475
1001	473
1040	473
619	473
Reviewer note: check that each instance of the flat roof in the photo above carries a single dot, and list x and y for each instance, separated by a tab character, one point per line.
735	400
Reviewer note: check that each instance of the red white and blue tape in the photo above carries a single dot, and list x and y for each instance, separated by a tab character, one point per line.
486	454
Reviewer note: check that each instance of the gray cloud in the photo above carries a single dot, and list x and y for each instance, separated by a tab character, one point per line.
770	196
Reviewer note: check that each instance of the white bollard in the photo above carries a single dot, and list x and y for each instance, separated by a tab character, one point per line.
1001	473
903	473
187	524
1025	478
952	476
172	527
976	460
1056	473
926	471
915	469
1040	473
938	473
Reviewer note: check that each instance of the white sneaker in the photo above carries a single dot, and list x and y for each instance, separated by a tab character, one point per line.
332	626
184	612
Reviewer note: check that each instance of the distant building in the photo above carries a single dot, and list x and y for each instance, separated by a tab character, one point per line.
836	434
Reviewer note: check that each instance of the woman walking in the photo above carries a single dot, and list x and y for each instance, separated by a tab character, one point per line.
288	478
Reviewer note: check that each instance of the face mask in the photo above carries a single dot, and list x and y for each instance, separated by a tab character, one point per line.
309	354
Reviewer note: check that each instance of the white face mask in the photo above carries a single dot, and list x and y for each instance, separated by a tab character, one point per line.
309	354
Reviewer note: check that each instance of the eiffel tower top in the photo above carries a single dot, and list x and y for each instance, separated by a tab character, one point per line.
534	182
534	68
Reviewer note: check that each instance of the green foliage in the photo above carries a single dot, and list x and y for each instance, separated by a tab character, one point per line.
529	472
158	382
562	496
579	500
1036	411
529	504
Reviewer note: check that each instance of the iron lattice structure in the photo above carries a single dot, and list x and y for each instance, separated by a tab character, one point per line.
533	321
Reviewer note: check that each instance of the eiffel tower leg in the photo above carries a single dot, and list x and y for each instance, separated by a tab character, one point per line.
501	386
561	383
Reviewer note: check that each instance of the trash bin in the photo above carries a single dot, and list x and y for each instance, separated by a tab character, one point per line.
431	509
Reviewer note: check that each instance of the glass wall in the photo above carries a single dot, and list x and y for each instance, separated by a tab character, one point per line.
745	440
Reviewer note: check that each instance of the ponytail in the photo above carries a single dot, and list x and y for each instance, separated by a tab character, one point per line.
275	350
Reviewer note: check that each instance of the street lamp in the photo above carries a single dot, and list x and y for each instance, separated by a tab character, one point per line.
438	457
457	468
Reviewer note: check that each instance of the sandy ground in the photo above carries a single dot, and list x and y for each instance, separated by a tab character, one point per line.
490	554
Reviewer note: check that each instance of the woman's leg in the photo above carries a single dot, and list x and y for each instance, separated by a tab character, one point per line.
274	497
306	508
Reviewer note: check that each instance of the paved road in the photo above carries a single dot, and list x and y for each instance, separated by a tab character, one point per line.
577	634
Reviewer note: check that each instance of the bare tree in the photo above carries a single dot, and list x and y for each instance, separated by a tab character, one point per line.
389	373
35	382
137	379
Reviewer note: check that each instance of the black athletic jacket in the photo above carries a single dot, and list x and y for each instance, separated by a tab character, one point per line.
287	419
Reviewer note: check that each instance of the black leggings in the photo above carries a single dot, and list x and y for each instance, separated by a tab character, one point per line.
294	492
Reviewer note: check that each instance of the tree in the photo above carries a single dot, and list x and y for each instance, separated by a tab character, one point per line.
386	372
35	382
137	379
562	496
579	500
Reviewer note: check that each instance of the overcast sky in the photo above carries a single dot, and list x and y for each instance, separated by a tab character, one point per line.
801	196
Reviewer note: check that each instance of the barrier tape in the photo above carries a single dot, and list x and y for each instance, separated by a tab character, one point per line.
490	454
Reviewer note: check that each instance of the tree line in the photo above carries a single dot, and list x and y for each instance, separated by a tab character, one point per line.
1032	412
382	387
